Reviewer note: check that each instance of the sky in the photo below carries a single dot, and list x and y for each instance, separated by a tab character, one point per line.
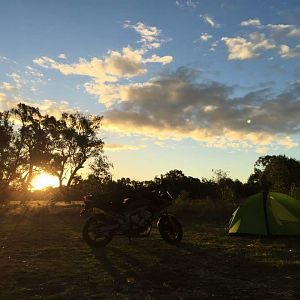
189	85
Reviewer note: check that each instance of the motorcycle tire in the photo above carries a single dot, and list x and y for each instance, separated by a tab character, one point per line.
170	229
90	226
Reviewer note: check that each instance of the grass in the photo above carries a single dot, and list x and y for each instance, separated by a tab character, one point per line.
42	256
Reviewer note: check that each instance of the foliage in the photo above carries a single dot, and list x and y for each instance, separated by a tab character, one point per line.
31	142
281	172
74	140
6	140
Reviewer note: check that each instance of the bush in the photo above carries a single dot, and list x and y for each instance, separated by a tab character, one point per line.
205	208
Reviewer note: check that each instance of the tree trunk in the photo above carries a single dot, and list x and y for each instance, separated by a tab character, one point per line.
73	175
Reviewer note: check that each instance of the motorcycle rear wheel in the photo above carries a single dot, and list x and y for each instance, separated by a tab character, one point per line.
170	229
90	235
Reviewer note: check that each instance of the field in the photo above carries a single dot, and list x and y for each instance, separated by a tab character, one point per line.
42	256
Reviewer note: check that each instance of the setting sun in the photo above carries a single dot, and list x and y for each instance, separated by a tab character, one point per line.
44	180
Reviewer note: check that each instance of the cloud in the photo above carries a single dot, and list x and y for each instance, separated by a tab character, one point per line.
46	106
121	147
106	73
205	36
159	59
276	30
254	44
213	46
18	80
26	79
8	102
286	52
4	59
6	86
115	65
261	150
107	93
151	37
284	30
210	21
251	22
186	3
53	107
240	48
62	56
33	72
177	106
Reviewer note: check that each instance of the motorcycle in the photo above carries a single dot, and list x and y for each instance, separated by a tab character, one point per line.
107	221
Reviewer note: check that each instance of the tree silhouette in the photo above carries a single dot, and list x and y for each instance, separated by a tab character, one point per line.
74	140
6	148
31	143
280	171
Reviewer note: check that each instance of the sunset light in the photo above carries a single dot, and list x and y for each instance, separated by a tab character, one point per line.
44	180
150	149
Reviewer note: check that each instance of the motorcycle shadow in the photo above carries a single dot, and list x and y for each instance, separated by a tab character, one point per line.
146	263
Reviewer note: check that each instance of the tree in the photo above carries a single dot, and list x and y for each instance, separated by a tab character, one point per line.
281	172
75	140
227	189
30	143
100	167
6	141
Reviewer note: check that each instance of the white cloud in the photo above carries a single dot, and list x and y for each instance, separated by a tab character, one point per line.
284	30
19	81
213	46
122	147
4	59
205	36
151	37
106	72
33	72
6	86
240	48
210	21
159	59
186	3
115	65
54	107
286	52
6	103
62	56
251	22
46	106
262	150
107	93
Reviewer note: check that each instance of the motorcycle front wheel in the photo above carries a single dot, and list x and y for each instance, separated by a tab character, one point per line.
92	233
170	229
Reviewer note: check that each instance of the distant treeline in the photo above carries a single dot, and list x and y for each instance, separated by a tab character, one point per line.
31	143
281	173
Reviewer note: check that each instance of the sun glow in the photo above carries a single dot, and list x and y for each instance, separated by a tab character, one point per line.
44	180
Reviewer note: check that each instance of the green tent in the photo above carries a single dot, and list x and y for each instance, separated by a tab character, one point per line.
272	214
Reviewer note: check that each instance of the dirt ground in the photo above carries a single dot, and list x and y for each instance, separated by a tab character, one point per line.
42	256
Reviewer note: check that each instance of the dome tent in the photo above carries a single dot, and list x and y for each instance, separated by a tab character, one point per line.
269	214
